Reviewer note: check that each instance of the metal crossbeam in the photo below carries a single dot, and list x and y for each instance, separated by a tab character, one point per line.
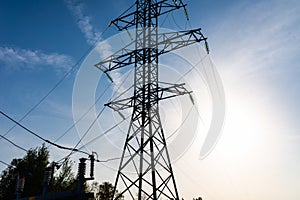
162	93
135	13
166	42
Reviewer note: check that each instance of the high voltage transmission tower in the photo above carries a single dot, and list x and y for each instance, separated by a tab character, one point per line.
145	170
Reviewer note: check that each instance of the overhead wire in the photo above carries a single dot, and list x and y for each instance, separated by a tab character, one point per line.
38	136
185	74
94	121
165	19
87	130
55	86
18	122
127	117
126	10
5	163
111	159
176	22
117	158
94	139
207	76
105	132
2	136
41	100
174	132
188	22
82	116
14	144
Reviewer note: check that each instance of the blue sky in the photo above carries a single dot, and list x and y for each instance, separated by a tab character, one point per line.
254	45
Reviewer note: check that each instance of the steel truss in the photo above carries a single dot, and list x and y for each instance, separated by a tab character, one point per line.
145	170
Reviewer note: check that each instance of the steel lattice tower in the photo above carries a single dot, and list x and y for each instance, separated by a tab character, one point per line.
145	170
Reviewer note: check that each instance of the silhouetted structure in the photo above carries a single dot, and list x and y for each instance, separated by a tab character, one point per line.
145	168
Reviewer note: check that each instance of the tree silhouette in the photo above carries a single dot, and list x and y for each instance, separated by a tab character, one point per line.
31	167
199	198
104	191
65	179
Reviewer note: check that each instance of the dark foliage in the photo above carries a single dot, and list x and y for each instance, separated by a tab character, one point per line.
104	191
31	167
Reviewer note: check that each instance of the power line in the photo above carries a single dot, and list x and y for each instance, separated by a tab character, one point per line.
96	138
174	132
55	86
5	163
104	133
180	28
97	100
39	102
86	132
89	128
82	116
192	68
43	98
38	136
117	158
107	131
11	142
112	127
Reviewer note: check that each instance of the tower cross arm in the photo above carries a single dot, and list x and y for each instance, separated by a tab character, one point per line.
119	59
172	90
169	91
166	42
121	104
176	40
128	18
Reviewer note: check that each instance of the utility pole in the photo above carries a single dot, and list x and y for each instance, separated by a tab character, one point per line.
145	170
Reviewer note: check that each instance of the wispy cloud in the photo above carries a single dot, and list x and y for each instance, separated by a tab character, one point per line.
83	21
17	58
92	36
265	35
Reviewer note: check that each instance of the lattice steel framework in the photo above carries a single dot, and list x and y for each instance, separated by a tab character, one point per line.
145	170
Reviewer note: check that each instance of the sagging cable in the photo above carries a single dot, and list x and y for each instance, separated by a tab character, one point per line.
186	13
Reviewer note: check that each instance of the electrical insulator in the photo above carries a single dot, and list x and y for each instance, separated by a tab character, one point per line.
92	166
81	168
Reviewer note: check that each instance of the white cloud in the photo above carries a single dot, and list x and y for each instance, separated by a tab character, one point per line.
16	58
83	22
91	35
